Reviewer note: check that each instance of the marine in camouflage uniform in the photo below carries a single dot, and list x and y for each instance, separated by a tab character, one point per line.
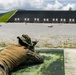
14	55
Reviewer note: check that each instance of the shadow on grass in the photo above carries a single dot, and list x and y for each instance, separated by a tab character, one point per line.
25	65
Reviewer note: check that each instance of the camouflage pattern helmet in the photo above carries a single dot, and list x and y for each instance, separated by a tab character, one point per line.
26	39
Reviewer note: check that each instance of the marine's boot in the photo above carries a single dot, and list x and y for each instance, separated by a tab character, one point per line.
2	71
3	68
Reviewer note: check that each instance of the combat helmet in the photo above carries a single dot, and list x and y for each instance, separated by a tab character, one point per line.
25	39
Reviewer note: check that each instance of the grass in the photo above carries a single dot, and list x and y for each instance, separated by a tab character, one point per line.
68	44
6	16
64	44
2	44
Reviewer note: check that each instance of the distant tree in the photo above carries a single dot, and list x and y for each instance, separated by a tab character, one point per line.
70	8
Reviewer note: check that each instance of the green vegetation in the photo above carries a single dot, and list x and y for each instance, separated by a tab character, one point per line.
6	16
2	44
63	44
68	44
1	14
53	64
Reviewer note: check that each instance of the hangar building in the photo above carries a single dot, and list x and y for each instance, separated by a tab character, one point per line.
41	16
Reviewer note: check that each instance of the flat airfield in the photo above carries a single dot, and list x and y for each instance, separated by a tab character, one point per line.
56	35
46	33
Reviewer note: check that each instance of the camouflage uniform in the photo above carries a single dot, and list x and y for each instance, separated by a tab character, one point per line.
14	55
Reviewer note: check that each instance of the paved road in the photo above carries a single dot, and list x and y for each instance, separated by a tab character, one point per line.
70	61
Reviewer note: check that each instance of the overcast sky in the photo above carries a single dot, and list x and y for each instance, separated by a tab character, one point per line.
8	5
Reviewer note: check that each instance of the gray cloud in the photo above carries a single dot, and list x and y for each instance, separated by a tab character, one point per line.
8	5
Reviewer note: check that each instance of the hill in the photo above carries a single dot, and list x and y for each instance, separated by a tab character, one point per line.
5	17
1	14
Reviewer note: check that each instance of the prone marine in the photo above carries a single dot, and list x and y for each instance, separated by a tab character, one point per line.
14	55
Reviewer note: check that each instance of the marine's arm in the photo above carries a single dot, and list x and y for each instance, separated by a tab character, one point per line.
36	58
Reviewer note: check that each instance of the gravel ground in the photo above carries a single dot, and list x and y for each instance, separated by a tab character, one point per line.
48	35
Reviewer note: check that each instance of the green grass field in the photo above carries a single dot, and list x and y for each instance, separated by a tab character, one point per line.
7	16
53	64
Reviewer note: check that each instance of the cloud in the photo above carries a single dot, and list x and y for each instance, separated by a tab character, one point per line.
20	4
36	3
8	5
57	5
60	6
70	5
